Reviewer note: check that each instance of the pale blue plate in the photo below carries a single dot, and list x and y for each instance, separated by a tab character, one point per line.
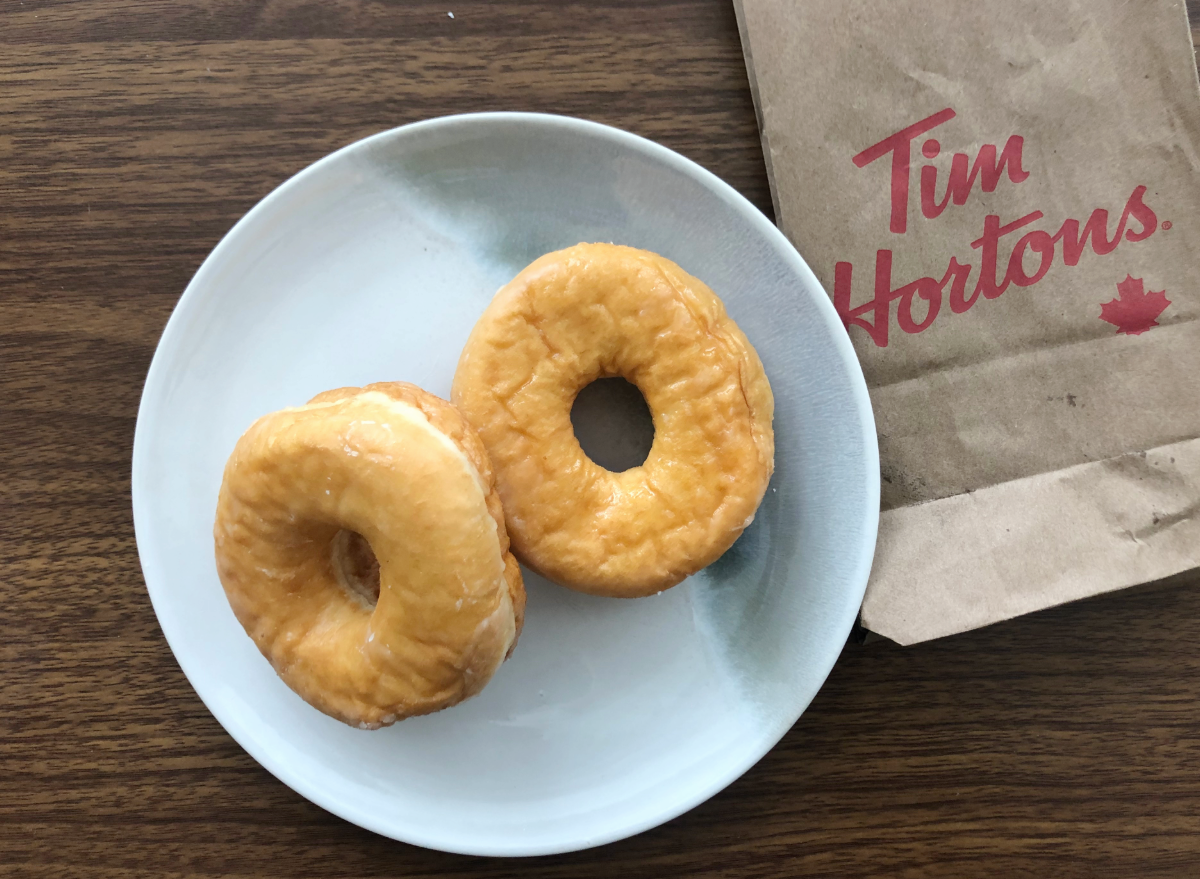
613	715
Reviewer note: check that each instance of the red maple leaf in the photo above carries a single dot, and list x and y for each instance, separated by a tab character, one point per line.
1134	310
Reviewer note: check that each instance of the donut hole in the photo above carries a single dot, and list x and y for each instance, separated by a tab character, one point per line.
355	565
613	424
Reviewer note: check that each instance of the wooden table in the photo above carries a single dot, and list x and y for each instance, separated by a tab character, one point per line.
132	136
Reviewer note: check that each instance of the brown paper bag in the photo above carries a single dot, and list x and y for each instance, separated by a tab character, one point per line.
1003	201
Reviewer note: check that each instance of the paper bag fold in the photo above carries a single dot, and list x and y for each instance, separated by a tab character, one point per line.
1003	201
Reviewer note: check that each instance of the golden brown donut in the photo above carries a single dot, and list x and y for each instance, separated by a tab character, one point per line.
597	310
417	625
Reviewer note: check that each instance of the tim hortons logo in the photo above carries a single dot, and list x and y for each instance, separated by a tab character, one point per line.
1004	254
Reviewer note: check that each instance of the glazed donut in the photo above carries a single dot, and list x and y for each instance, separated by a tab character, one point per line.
361	544
597	310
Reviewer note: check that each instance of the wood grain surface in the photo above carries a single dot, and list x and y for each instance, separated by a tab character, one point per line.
132	136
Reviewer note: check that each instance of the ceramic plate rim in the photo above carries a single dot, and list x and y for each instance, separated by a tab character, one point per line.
851	599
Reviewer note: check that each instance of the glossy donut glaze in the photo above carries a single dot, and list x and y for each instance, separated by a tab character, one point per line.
421	619
598	310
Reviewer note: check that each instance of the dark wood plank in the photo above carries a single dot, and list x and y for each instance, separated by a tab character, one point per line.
132	136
